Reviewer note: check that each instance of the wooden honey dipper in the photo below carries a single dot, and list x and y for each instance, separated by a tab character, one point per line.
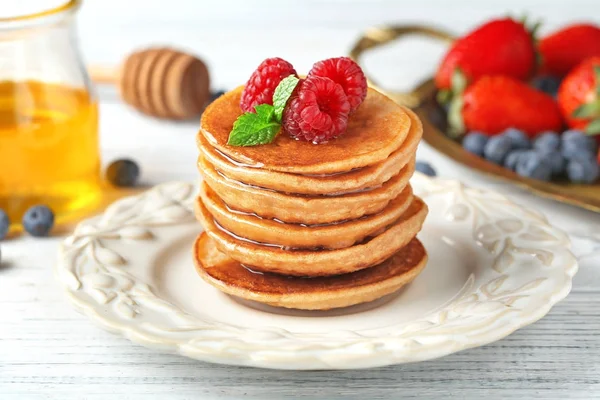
161	82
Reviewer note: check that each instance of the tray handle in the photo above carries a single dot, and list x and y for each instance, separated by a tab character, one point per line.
378	36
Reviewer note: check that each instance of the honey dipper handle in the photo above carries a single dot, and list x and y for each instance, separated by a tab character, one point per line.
104	75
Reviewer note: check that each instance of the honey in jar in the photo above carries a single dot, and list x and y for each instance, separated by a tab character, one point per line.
48	147
48	113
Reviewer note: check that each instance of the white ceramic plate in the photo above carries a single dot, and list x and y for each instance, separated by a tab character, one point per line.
494	267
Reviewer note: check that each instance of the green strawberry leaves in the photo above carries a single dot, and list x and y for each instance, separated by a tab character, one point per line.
455	119
593	128
597	76
591	110
588	110
262	126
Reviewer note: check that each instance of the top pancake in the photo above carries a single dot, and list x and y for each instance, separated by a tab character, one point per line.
375	130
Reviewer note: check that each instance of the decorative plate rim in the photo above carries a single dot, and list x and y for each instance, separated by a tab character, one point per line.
96	282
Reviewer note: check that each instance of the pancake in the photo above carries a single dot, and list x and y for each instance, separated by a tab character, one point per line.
375	130
323	293
369	176
328	236
269	258
302	208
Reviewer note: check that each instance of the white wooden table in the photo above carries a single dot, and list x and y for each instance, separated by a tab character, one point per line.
47	350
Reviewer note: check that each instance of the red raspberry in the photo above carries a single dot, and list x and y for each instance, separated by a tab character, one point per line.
263	81
348	74
318	110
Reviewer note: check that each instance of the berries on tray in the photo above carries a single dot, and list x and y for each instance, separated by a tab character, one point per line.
474	142
425	168
518	125
263	81
582	169
123	173
575	143
578	96
573	154
4	224
513	158
497	148
495	103
318	112
557	161
38	221
499	47
348	74
563	50
547	141
518	139
534	165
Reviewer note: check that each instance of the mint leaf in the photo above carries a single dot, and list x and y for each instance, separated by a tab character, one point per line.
265	111
252	129
282	94
261	127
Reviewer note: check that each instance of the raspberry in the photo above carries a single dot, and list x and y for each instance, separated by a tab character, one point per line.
263	81
348	74
318	110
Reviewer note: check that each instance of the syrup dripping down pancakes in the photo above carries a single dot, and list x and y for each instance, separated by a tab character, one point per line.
305	226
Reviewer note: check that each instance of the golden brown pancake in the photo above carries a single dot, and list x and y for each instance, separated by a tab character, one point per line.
375	130
329	236
304	209
369	176
322	293
280	260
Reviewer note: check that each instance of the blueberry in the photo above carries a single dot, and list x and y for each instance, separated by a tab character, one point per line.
4	224
425	168
512	159
583	170
556	159
547	141
216	95
38	220
497	148
534	165
123	173
546	83
575	142
518	138
573	149
474	142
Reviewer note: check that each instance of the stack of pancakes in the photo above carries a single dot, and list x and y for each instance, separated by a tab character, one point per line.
298	225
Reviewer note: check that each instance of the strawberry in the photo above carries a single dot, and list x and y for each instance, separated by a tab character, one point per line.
499	47
579	96
495	103
564	49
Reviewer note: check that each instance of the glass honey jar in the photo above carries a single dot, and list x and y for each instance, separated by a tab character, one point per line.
49	151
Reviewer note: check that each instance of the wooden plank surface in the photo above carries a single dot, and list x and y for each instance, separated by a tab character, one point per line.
48	351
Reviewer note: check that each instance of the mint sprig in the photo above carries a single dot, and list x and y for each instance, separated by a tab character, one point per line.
252	129
262	126
282	93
